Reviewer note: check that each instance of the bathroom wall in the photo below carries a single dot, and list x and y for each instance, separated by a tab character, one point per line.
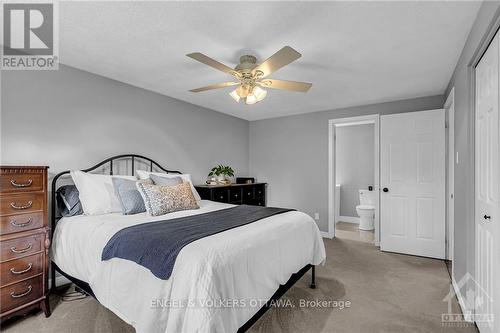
355	153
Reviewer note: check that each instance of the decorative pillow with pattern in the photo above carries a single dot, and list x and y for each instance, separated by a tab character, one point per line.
160	200
185	177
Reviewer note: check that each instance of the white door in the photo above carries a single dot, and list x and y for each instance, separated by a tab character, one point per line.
487	201
412	170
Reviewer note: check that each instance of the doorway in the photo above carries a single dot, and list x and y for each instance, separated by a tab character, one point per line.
354	169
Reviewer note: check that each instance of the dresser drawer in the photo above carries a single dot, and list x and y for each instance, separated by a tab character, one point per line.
257	202
20	269
21	293
15	182
20	222
21	247
221	195
247	192
260	191
21	203
235	194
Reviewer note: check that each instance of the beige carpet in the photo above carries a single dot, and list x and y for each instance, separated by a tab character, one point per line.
388	293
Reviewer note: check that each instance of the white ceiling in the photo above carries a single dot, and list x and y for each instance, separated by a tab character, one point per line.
354	53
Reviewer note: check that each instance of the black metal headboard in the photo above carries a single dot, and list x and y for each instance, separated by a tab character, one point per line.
132	157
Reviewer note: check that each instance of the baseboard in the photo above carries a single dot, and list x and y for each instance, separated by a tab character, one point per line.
461	300
325	234
349	219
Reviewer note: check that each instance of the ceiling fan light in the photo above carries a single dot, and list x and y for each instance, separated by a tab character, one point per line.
251	99
235	96
242	91
259	93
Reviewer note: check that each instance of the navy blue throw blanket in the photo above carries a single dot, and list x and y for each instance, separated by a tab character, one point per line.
155	245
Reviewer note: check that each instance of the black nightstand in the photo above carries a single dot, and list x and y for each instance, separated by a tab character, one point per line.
237	194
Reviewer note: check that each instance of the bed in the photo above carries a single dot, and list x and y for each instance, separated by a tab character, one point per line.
220	283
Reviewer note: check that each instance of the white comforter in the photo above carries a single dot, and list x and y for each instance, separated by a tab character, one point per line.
218	282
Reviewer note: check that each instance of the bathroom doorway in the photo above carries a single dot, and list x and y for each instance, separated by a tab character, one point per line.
354	178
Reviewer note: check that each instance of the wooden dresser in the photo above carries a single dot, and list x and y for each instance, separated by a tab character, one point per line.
24	240
237	194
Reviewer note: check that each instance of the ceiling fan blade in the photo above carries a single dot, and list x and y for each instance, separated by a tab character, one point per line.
215	86
285	85
211	62
281	58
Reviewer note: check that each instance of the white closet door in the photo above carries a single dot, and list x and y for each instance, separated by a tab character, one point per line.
412	168
487	201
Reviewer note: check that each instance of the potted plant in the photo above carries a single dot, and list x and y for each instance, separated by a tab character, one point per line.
222	172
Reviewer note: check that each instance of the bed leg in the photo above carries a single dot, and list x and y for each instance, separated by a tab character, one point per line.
52	278
313	278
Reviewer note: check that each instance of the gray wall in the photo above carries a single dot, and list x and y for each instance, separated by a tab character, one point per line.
291	153
464	143
71	119
355	164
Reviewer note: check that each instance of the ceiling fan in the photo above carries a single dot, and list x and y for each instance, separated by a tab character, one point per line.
252	77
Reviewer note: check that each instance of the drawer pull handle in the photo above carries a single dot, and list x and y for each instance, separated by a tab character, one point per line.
248	194
28	205
26	249
236	195
14	295
222	197
13	271
28	183
14	223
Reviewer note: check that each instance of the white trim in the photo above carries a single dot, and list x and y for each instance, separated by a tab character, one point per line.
325	234
354	122
449	106
332	123
461	301
331	180
349	219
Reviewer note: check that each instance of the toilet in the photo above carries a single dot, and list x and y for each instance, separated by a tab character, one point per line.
366	209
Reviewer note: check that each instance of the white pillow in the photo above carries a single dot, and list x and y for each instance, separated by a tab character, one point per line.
97	193
185	177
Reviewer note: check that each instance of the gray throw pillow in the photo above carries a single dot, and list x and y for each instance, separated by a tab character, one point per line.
165	181
68	201
128	195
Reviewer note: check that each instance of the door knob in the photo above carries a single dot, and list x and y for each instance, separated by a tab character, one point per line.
487	217
385	189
